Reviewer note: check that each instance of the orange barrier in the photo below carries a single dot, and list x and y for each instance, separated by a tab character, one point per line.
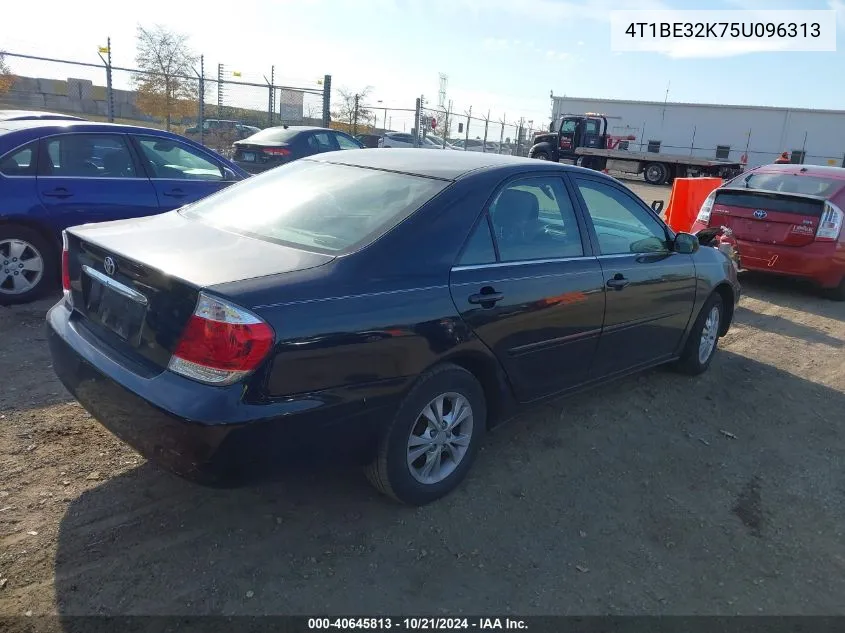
688	194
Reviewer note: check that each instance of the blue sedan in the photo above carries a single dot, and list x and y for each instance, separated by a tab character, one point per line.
57	174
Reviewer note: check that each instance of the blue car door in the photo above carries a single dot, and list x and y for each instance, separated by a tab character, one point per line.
180	173
84	178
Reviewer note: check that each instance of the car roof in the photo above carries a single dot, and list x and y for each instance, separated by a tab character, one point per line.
301	128
13	126
6	115
836	173
444	165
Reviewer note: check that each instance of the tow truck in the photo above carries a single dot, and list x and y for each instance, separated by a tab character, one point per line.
583	139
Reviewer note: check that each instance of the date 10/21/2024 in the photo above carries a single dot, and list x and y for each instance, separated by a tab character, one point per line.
417	624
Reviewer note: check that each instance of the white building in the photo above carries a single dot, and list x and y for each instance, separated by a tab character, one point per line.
760	132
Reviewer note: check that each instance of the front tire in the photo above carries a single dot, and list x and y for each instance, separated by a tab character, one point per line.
703	339
541	156
28	264
427	449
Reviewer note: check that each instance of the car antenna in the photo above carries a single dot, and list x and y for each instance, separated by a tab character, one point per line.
285	126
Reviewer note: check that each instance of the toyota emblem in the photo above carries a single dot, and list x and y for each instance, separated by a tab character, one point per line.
109	266
760	214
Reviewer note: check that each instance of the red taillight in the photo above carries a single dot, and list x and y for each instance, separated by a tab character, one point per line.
830	224
65	267
221	343
277	151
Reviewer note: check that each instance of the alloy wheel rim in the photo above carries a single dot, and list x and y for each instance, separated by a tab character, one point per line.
21	266
440	438
709	334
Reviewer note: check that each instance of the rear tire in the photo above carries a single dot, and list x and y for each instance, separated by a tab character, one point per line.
22	250
703	339
541	156
418	429
838	293
655	173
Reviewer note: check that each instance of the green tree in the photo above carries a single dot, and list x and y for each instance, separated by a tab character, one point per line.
167	88
6	77
345	108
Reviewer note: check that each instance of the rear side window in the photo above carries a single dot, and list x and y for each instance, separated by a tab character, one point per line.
479	249
20	162
317	206
89	156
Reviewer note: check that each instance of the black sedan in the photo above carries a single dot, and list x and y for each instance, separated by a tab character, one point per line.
276	146
397	302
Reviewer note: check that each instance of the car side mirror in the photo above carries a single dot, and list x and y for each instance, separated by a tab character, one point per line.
228	174
657	206
685	243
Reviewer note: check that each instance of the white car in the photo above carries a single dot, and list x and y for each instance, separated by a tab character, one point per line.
475	145
438	140
403	139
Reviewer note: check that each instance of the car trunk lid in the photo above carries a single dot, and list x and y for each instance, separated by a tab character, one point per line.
768	217
135	283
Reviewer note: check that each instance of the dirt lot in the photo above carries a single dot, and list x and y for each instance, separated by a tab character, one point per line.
658	494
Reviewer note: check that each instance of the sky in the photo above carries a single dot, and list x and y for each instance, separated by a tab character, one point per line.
501	56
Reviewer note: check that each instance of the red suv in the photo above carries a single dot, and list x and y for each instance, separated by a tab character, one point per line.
787	219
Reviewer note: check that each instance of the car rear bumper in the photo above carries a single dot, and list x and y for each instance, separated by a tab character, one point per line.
822	263
207	434
255	168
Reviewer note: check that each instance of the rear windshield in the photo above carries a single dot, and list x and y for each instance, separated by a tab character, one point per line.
274	135
789	183
317	206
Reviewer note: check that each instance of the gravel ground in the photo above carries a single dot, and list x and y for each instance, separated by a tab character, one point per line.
657	494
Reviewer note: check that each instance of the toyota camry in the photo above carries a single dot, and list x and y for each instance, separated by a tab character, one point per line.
398	302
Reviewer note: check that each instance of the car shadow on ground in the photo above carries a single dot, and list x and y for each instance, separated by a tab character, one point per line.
28	381
658	494
787	292
785	327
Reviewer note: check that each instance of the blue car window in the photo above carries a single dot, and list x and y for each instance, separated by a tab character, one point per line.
89	156
19	162
169	159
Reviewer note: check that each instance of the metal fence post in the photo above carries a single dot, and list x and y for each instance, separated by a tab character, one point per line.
271	87
110	93
201	114
355	115
502	133
466	132
417	115
327	100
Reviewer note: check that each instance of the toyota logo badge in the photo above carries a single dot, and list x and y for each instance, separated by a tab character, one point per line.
108	265
760	214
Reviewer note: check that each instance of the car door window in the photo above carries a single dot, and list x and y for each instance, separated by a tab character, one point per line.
172	160
479	248
533	218
321	142
345	142
622	225
20	162
89	156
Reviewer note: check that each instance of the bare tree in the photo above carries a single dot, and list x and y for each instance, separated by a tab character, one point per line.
6	77
345	110
167	87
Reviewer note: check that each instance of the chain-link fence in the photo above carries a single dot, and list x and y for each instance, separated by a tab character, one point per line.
216	106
